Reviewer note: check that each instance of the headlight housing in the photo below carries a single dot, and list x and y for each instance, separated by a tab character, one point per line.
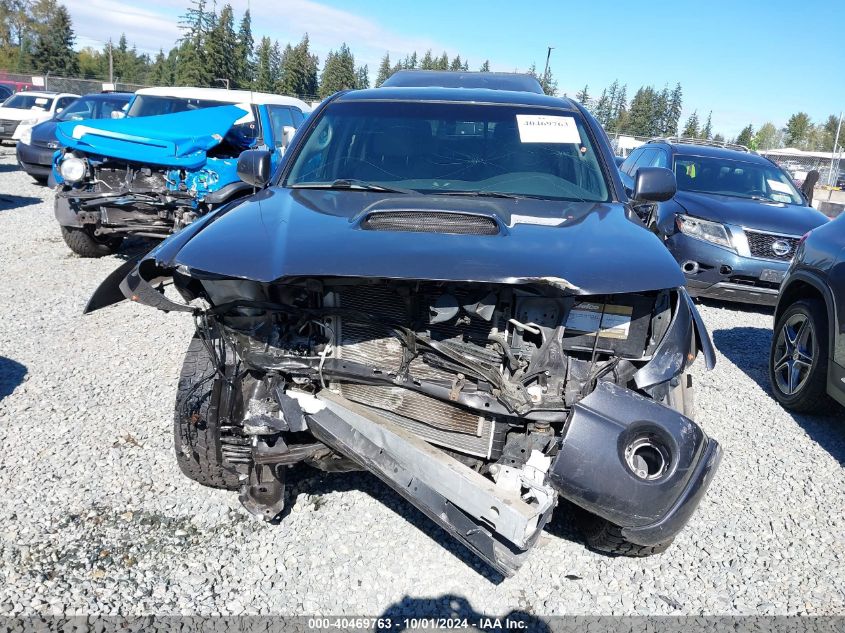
26	136
712	232
73	169
30	122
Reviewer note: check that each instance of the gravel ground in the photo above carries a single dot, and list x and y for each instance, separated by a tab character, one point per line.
95	517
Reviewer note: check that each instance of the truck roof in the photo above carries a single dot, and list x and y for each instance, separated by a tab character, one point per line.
226	96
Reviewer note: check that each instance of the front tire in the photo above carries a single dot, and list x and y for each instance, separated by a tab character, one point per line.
799	356
196	427
83	243
603	536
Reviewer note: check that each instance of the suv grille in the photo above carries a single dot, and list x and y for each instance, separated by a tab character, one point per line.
9	126
771	246
431	222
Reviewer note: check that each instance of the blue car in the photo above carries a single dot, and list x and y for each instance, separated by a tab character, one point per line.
172	159
734	223
37	145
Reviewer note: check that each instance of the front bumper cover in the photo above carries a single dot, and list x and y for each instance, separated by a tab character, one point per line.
602	427
741	281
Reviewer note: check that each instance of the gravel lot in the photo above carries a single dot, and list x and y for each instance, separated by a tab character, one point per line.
95	517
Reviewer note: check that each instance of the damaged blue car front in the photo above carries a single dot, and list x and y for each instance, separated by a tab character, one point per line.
151	176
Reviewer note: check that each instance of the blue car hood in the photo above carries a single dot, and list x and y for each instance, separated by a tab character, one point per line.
171	140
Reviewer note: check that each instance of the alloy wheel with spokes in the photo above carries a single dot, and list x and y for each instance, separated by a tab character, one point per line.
798	357
793	354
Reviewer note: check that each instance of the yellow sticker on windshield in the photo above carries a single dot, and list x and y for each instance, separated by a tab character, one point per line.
538	128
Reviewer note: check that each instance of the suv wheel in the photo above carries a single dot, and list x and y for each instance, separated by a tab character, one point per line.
603	536
85	244
196	424
798	357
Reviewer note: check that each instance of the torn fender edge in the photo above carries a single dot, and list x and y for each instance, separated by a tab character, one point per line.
128	282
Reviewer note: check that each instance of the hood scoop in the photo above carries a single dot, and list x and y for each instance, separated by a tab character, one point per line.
430	221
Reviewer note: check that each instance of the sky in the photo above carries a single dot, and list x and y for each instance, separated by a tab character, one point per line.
749	61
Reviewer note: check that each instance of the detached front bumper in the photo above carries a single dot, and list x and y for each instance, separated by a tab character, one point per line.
649	466
591	469
720	273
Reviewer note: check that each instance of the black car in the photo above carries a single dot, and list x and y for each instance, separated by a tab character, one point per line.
35	149
735	222
807	358
446	287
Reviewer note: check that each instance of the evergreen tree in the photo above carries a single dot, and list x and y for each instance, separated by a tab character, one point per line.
457	64
691	127
299	71
263	68
643	117
338	72
428	61
160	73
828	131
53	51
719	138
244	65
362	78
485	67
602	110
442	62
221	49
583	96
797	130
746	136
661	125
673	118
384	70
621	117
193	67
707	130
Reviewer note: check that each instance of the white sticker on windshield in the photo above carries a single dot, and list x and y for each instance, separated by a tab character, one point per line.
777	185
40	100
538	128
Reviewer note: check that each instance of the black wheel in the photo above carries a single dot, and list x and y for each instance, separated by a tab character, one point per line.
603	536
798	357
41	180
85	244
196	428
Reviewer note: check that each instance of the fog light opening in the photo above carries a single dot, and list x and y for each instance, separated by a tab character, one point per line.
647	458
690	267
725	270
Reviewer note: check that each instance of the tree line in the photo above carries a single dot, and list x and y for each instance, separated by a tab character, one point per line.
799	132
37	36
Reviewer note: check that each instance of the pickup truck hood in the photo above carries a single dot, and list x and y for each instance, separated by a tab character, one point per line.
790	219
589	248
171	140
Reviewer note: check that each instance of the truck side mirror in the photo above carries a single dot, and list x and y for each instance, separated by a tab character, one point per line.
654	184
254	167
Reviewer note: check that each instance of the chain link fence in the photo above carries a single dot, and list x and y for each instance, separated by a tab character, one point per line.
74	85
830	166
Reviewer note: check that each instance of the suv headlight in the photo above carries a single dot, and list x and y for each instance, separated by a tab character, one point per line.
73	169
26	136
704	230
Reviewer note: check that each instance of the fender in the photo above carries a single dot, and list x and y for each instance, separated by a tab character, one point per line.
811	279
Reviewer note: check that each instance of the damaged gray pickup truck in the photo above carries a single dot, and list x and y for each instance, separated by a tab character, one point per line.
446	287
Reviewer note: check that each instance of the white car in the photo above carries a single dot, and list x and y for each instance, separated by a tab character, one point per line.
23	110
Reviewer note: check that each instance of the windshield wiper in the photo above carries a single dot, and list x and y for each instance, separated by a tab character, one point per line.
481	194
351	183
